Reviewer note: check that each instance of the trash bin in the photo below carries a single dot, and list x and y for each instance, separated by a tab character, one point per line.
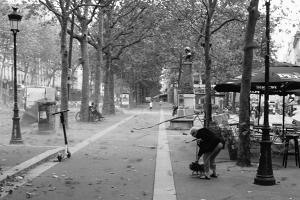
46	121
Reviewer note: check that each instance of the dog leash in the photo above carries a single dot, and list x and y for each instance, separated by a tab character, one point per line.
196	151
164	122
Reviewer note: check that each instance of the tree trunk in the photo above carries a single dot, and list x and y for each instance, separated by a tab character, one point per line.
108	102
131	97
1	76
85	75
63	19
244	156
2	68
138	94
207	44
111	84
53	81
99	60
64	67
105	109
70	55
26	68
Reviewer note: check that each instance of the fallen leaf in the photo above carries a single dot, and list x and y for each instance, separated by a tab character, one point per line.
29	194
52	189
19	178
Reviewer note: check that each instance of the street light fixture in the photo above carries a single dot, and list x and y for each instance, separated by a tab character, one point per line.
16	137
264	175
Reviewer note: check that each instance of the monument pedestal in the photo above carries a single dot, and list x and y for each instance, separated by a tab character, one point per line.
186	111
186	96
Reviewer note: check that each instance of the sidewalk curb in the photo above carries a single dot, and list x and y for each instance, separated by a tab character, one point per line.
14	171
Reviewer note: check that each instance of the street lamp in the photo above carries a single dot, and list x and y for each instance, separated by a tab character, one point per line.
16	137
264	175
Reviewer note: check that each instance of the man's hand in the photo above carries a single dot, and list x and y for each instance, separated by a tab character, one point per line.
197	159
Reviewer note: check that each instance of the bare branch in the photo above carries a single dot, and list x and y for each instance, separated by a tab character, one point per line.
206	8
50	7
92	15
123	47
122	16
74	35
224	23
94	5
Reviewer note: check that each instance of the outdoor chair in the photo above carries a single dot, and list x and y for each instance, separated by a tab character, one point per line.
291	136
276	126
255	135
277	134
296	125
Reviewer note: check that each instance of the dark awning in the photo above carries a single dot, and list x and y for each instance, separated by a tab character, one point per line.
283	78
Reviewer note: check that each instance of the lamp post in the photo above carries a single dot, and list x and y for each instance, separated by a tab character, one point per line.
264	175
16	137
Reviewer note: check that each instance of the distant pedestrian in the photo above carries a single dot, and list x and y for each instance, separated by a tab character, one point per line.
93	109
210	145
174	110
150	105
160	103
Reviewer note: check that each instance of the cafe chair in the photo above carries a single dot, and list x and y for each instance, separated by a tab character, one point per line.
291	136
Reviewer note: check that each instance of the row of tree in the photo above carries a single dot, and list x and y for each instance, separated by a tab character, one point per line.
106	32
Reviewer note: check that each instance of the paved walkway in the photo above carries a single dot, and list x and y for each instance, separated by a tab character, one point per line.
12	157
234	182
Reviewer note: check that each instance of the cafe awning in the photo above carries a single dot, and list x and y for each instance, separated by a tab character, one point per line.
283	79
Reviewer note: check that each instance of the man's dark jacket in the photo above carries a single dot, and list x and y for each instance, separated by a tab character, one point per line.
209	140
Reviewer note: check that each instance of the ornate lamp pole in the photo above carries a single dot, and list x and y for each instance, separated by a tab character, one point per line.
16	137
264	175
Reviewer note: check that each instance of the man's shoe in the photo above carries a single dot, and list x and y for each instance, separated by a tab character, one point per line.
213	176
206	177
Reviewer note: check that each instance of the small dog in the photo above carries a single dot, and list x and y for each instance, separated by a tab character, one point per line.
197	169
